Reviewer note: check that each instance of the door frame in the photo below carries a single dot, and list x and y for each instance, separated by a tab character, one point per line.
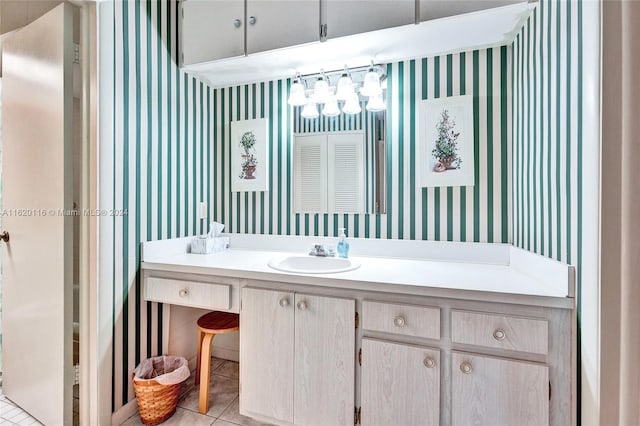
94	315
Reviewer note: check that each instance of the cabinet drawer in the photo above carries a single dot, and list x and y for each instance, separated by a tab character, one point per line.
410	320
500	331
188	293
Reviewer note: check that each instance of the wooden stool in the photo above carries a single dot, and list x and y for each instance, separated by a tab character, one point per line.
208	326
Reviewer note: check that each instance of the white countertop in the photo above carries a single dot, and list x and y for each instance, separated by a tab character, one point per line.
510	273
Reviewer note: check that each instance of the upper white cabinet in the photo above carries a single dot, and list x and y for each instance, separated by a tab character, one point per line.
219	29
348	17
434	9
211	30
275	24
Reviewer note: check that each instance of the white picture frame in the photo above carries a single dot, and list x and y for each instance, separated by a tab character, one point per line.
452	170
250	164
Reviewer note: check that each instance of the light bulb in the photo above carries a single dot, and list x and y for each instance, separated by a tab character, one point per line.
296	94
376	103
345	88
371	84
330	108
352	105
320	91
310	110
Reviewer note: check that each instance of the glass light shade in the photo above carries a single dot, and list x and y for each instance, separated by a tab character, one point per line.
345	88
330	108
296	95
371	84
352	105
320	91
375	103
310	110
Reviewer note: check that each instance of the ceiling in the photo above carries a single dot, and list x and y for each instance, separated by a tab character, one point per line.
481	29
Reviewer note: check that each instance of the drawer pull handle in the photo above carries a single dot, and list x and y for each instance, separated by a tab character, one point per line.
429	362
466	368
252	20
183	293
284	302
237	23
302	305
499	334
399	322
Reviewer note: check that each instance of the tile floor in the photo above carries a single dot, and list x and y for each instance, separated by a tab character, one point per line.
223	401
11	414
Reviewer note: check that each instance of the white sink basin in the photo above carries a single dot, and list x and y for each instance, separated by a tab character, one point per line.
313	264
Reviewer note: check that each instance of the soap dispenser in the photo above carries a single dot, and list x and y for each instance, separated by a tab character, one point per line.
343	245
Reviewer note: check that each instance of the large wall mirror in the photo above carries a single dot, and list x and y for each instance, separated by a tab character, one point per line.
339	162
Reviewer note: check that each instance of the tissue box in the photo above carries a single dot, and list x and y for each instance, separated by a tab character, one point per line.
205	244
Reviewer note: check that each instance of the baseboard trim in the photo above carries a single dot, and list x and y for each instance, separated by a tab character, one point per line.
127	410
224	353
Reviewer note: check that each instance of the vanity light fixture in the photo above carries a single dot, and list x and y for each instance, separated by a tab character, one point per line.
376	103
310	110
296	95
330	108
352	105
351	85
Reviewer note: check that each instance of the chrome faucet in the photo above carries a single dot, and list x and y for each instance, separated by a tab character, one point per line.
320	251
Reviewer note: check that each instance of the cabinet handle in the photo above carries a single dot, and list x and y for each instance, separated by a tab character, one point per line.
284	302
466	368
252	20
302	305
499	334
237	23
183	293
429	362
399	322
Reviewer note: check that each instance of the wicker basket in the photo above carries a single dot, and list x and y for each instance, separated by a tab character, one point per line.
156	402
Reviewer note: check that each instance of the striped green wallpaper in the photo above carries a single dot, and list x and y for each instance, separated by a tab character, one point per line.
478	213
548	141
162	167
171	150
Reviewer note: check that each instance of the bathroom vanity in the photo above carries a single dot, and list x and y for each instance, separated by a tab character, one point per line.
440	333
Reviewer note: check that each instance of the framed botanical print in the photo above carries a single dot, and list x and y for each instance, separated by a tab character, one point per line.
250	155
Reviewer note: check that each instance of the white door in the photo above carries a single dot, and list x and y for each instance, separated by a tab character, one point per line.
400	384
37	183
211	30
324	360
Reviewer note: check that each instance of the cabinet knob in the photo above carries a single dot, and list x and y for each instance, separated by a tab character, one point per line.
429	362
466	368
252	20
284	302
302	305
399	322
499	334
237	23
183	293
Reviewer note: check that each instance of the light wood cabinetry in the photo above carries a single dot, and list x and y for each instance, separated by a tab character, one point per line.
400	384
297	357
211	30
495	391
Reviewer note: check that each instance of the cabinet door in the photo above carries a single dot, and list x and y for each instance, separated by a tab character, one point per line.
400	384
266	354
209	30
347	17
434	9
495	391
324	360
274	24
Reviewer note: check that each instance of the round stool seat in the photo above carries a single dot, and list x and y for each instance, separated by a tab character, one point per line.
219	322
